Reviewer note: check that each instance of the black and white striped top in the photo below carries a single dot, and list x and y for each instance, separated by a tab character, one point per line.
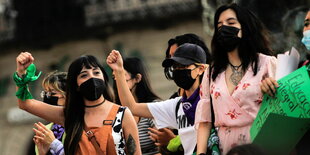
147	145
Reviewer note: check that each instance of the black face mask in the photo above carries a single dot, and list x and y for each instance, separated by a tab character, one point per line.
52	100
183	78
92	89
227	38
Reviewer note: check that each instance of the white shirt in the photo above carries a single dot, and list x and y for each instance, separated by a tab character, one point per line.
164	116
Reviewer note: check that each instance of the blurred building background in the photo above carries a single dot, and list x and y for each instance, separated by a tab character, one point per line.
58	31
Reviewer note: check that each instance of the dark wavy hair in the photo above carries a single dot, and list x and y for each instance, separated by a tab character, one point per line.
255	39
143	91
182	39
74	109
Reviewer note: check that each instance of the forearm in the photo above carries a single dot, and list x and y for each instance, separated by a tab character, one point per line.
124	93
203	136
43	110
114	60
126	98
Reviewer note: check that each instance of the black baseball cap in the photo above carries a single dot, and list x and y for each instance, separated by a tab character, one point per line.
186	54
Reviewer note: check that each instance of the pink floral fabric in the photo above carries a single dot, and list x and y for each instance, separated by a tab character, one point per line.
235	113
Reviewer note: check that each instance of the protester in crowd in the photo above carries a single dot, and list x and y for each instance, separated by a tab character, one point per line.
93	124
231	89
164	136
139	85
306	36
188	63
54	85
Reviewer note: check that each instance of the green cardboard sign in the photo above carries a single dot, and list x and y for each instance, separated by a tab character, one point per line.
280	134
292	100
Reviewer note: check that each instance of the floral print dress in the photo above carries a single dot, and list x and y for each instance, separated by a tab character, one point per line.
234	113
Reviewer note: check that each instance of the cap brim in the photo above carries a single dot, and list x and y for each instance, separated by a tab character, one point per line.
169	62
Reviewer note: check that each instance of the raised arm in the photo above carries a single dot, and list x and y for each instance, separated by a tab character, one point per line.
115	61
36	107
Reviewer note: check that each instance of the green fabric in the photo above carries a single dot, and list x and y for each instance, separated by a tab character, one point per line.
23	91
213	142
174	144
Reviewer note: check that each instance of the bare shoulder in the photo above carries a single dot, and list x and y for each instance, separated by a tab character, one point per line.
128	118
127	113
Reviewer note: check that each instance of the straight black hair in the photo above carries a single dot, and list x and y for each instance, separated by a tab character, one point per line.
255	40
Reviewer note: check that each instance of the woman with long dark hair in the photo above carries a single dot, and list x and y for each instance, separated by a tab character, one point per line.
139	85
241	60
93	124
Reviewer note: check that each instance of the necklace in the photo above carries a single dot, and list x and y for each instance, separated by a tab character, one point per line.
96	105
236	75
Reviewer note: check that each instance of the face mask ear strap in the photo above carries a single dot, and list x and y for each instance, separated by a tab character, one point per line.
198	72
197	76
204	67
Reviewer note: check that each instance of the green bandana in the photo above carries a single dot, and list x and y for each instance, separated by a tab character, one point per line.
23	91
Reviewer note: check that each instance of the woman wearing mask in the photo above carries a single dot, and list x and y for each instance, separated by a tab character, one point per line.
188	63
54	85
93	124
241	61
163	136
306	36
166	137
138	83
179	40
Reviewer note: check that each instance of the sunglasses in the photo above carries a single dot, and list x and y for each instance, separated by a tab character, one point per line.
47	94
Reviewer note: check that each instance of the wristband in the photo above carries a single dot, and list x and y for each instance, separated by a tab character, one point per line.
22	82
